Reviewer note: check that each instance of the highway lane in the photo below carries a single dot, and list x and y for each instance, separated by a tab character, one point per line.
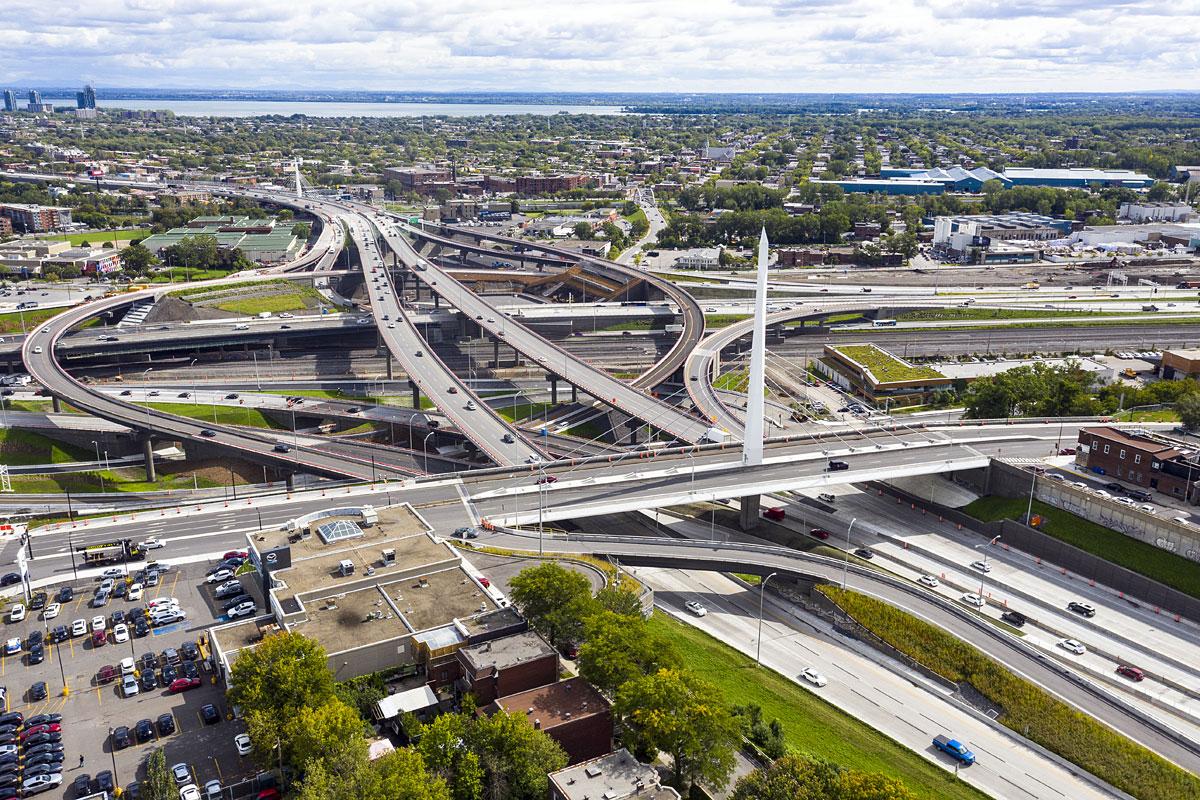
553	358
503	442
904	706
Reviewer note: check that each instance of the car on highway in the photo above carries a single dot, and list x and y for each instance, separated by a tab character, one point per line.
837	466
1083	609
696	608
1133	673
864	552
972	599
1014	618
811	675
819	533
208	433
982	566
928	580
547	479
507	438
1072	646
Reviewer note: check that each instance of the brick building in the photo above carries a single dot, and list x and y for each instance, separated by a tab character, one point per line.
548	184
1180	364
506	666
422	180
29	218
1144	459
571	712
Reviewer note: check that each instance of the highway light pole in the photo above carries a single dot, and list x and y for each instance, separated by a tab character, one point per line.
98	465
425	448
983	573
762	591
146	379
846	561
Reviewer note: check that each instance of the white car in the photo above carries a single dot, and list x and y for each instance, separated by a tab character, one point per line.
189	792
129	685
40	783
120	633
127	665
815	678
79	627
1102	493
222	574
13	645
982	566
1125	501
696	608
1072	646
99	623
242	610
167	617
972	599
16	613
928	580
134	592
153	543
51	611
242	743
113	573
212	790
161	601
183	774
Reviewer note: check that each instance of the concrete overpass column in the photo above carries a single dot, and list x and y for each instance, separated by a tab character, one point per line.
748	512
56	405
437	300
574	394
388	360
553	389
290	478
495	354
416	394
148	455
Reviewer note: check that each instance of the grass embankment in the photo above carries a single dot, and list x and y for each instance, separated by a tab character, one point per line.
11	323
20	448
1167	568
588	431
723	320
1162	415
218	415
522	411
634	325
734	380
100	237
810	724
884	366
1025	707
274	296
115	480
183	274
939	314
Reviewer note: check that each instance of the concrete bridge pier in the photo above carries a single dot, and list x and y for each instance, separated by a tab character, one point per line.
56	404
553	389
290	479
416	394
748	512
388	360
574	393
495	354
148	456
437	299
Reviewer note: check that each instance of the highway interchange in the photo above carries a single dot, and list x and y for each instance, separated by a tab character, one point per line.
1161	714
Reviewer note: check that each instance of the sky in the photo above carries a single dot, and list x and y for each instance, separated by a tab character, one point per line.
607	45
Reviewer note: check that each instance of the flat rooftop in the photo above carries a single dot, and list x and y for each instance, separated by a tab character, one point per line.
507	651
556	703
345	621
438	597
393	522
321	574
616	775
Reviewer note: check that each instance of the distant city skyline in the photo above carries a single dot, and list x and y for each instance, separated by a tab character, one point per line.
922	46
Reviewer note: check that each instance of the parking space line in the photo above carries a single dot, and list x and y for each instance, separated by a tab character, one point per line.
217	767
99	698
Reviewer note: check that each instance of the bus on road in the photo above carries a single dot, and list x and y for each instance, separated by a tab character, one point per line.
884	323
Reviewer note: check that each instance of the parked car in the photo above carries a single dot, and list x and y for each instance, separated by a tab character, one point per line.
210	714
184	684
165	724
121	737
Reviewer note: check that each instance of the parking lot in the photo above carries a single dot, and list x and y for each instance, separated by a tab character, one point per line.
90	709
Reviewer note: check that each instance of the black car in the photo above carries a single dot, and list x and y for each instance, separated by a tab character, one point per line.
12	718
838	466
66	594
1081	608
43	758
10	578
46	747
281	448
33	640
9	779
119	591
39	769
43	719
60	634
190	651
147	661
169	673
149	682
190	670
38	601
210	714
231	397
9	730
121	737
104	781
118	616
37	692
36	655
43	738
864	552
9	767
131	791
1015	618
140	627
143	730
82	785
165	724
9	738
1113	486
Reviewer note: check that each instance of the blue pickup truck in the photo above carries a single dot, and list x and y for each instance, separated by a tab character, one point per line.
954	748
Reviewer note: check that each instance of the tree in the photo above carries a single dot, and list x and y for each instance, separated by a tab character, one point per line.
138	259
158	783
1188	408
620	598
686	717
315	733
441	747
516	758
286	672
583	230
302	230
554	599
795	777
620	648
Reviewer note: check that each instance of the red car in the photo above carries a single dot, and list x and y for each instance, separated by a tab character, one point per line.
269	794
1133	673
107	674
183	684
235	554
820	533
49	727
99	638
1067	451
484	582
777	514
547	479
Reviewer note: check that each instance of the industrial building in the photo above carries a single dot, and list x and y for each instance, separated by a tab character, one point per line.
421	180
1180	363
258	239
1155	212
896	186
980	238
954	179
901	181
1078	177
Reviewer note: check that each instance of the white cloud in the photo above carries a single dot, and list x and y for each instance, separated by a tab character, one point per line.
620	45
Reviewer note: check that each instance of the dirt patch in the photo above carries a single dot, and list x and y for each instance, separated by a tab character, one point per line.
173	309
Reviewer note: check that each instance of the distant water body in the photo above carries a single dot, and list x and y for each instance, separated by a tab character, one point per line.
262	108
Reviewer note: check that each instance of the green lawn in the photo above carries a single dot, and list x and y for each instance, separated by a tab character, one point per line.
18	447
274	296
1174	571
116	480
1162	415
522	410
274	303
886	367
631	325
588	431
937	314
99	237
181	275
225	415
11	323
723	320
811	725
734	380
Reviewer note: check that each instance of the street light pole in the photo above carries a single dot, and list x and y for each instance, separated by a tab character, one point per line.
983	573
846	560
98	469
425	448
762	590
